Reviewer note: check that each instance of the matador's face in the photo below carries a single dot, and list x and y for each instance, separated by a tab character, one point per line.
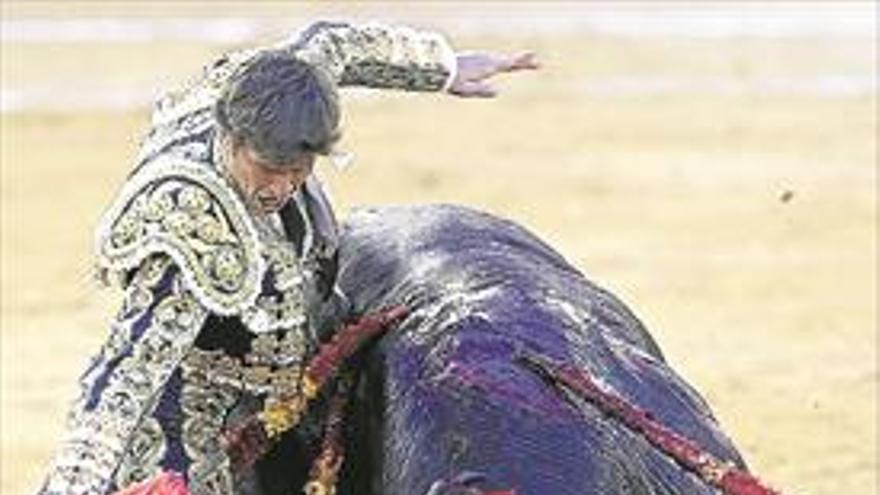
266	186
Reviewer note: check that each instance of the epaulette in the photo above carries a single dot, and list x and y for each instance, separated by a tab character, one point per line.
189	212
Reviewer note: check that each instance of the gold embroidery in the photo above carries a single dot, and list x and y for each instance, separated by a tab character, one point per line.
279	416
282	309
379	56
194	200
215	367
188	211
204	404
117	435
143	455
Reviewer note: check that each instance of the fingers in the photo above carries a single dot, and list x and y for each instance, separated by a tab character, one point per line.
520	61
475	69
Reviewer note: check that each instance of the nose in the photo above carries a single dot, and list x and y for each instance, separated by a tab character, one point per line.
283	188
284	185
296	178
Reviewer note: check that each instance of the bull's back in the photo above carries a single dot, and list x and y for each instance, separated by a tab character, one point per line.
444	393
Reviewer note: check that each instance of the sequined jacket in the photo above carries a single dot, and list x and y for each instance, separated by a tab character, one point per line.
216	308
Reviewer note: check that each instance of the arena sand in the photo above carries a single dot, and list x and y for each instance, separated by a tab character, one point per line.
738	221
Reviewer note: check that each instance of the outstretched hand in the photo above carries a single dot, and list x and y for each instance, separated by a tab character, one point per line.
474	69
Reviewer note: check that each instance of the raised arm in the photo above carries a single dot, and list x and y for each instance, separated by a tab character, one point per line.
370	55
399	57
377	55
150	335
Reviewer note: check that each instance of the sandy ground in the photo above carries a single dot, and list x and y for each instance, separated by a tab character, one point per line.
739	225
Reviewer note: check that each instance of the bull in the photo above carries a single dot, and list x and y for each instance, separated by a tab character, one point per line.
467	394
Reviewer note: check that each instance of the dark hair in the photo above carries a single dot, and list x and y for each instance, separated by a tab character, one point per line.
280	106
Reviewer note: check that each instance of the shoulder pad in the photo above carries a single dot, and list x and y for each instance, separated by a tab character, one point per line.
188	211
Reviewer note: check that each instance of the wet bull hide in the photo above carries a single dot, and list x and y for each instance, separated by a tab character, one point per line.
443	403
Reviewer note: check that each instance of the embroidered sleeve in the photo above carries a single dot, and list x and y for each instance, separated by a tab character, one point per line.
149	337
378	56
